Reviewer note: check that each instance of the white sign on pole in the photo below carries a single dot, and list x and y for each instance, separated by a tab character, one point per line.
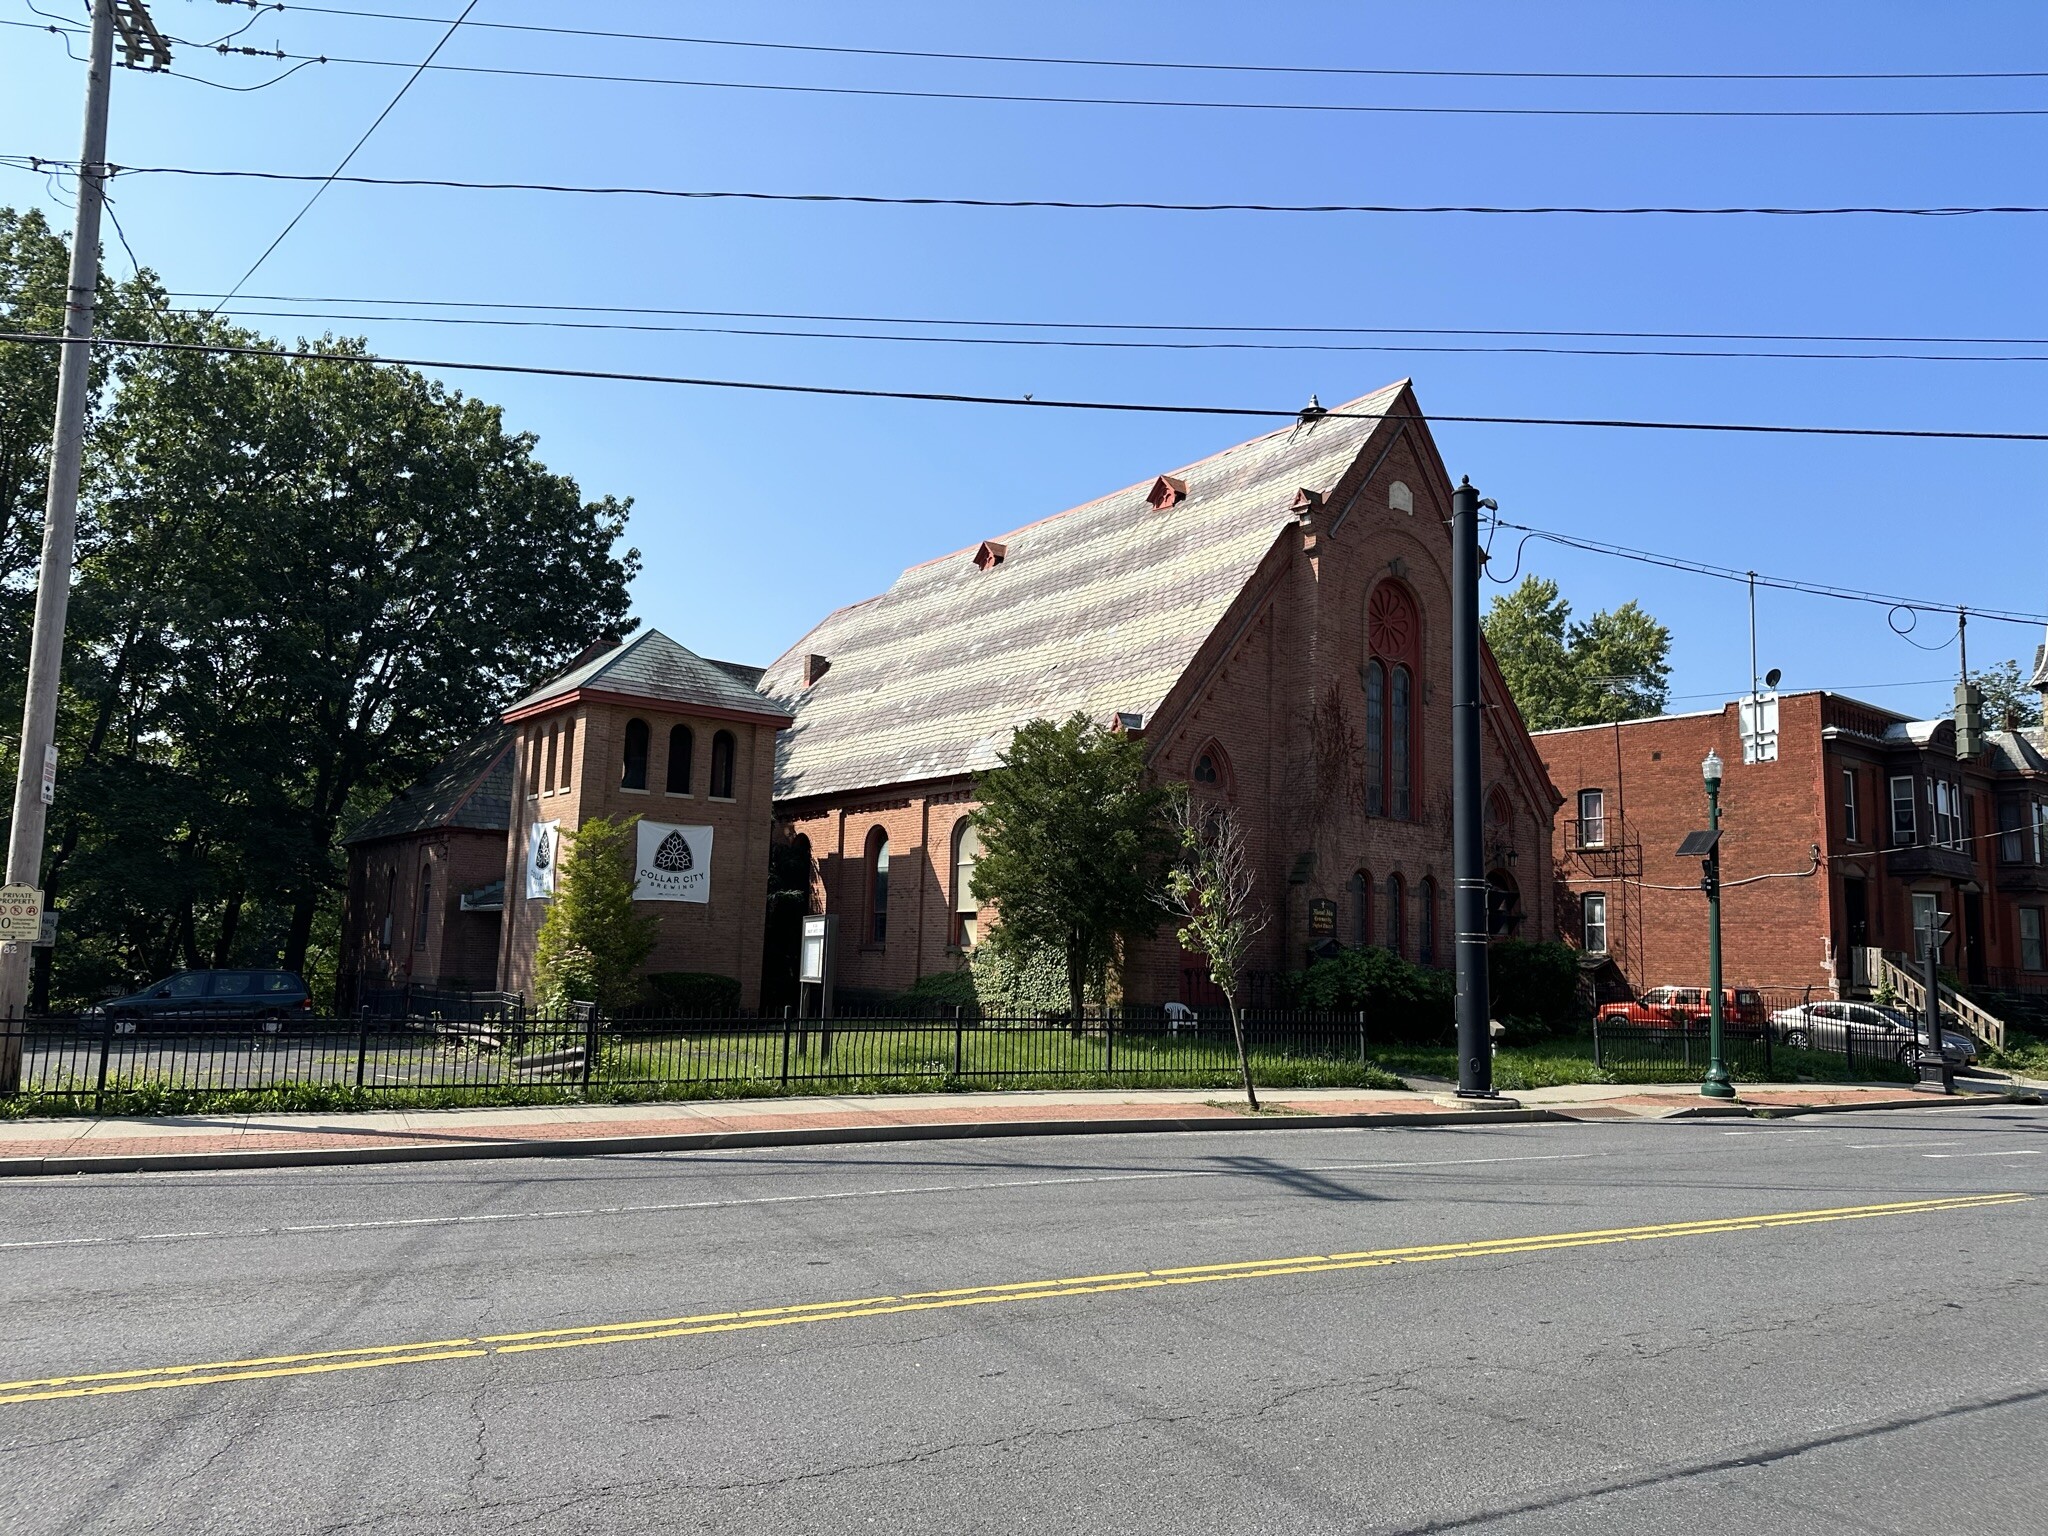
674	863
21	913
543	854
48	936
49	775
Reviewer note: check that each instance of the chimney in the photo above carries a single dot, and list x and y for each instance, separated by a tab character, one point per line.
815	667
1969	720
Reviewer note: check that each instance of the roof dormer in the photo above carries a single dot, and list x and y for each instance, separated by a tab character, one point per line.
1167	491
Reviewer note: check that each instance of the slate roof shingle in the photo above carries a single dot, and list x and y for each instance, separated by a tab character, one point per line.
1100	609
653	667
470	788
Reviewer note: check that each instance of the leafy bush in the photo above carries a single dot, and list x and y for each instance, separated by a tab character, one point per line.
1534	985
1009	979
691	994
1401	1002
944	989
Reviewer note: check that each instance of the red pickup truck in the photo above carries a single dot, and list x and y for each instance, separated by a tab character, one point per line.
1678	1005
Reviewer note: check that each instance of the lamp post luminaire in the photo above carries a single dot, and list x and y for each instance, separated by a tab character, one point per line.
1717	1084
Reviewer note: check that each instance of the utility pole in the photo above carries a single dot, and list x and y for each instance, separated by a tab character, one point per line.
35	775
1475	1040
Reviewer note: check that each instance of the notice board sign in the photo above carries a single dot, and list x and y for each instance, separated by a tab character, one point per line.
21	913
1322	918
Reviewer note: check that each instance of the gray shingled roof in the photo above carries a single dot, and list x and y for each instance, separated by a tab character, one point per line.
471	787
1099	609
651	666
2014	752
2040	678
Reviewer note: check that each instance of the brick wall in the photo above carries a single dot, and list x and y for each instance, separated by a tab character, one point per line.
457	949
1276	695
586	743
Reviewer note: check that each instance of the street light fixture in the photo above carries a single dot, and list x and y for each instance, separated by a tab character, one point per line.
1717	1084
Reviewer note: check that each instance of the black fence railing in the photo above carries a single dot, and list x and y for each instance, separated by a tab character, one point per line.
1785	1047
91	1063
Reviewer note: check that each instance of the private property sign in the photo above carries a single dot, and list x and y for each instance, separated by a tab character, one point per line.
21	913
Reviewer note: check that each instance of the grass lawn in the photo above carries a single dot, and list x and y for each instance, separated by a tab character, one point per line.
1568	1060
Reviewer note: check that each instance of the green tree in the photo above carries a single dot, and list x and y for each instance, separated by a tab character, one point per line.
1072	836
2007	693
594	939
1213	897
1614	666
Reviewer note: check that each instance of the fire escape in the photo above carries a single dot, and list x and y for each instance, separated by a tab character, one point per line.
1601	854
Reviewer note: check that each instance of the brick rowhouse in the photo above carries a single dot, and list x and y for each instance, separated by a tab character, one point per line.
1911	816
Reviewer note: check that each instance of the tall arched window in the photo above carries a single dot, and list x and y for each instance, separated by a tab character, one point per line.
568	756
426	911
1361	909
1425	921
878	886
682	741
1375	739
1397	915
1393	640
633	767
721	766
966	910
1399	757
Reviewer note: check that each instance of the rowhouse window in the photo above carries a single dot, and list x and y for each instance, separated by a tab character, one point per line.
966	910
633	766
1904	833
682	742
1593	922
1850	830
2032	957
878	887
2041	832
1397	915
721	765
1592	818
1425	921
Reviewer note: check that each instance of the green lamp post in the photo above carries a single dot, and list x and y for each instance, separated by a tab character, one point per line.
1717	1083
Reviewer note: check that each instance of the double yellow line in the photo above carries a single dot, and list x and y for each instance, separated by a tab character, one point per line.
323	1362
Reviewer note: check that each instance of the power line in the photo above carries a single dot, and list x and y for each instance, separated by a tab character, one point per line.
1025	98
1152	64
1778	583
1120	325
39	162
1435	349
1028	402
343	164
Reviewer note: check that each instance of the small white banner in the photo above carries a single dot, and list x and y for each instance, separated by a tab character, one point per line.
674	863
543	853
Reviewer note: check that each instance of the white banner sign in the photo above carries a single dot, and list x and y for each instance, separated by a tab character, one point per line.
543	853
674	863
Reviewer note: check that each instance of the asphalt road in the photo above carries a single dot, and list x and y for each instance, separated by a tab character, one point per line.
1828	1325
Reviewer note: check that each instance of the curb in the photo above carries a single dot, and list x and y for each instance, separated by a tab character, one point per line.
823	1136
709	1141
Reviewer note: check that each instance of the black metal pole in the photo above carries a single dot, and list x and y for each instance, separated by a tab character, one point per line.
1475	1054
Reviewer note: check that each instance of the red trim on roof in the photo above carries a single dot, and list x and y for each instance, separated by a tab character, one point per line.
763	716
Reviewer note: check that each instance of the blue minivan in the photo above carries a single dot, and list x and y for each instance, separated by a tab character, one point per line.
272	995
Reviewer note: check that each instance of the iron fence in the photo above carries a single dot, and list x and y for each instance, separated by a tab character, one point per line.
1648	1053
94	1063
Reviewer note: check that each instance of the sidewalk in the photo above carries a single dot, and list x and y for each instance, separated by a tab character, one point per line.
586	1130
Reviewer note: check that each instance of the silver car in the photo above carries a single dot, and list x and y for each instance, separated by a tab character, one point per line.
1865	1029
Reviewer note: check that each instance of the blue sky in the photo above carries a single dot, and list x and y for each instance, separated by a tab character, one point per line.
759	514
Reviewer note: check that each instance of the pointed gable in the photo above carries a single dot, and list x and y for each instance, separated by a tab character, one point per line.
652	669
1099	609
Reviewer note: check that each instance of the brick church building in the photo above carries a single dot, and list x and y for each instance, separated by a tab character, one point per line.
1273	620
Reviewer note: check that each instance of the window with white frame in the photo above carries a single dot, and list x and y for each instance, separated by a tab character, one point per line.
1904	831
1592	818
1593	922
1851	832
2032	957
2012	836
2041	831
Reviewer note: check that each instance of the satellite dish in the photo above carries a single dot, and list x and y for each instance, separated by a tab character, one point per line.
1771	677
